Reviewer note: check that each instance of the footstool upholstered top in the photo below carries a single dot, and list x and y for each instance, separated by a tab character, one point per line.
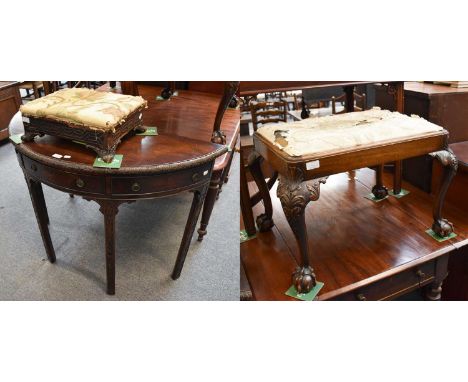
85	107
344	132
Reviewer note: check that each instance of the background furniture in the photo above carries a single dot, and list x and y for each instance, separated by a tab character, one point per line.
10	102
442	105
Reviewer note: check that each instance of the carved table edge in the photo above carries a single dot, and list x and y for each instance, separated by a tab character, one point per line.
149	169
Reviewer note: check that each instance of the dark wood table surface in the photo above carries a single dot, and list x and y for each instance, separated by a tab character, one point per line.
152	166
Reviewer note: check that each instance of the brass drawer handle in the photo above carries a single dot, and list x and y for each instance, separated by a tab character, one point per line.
80	183
420	274
33	167
136	187
361	297
196	177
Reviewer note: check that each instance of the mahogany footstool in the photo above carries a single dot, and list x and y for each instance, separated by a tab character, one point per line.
305	153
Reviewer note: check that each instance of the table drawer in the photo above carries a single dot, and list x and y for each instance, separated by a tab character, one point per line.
393	286
159	183
65	180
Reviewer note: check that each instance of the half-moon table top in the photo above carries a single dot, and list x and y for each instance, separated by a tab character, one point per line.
184	125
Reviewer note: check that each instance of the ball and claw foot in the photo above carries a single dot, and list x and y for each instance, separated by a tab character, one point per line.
379	192
166	93
442	227
304	279
264	223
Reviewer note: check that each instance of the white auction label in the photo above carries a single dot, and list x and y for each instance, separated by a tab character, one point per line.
26	119
312	164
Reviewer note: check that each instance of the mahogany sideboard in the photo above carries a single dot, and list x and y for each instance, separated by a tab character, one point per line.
10	102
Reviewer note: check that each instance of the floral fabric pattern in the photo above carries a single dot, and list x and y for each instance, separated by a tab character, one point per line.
85	107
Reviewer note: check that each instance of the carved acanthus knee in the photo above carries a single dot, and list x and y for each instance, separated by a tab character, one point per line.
295	194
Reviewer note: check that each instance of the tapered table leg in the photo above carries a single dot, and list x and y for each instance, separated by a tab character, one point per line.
197	203
441	226
109	209
209	203
42	203
294	195
40	210
265	220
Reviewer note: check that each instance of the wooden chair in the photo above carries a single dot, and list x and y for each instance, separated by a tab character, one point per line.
360	99
268	112
35	86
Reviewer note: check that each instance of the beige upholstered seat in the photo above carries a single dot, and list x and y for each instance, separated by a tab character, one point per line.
94	109
339	133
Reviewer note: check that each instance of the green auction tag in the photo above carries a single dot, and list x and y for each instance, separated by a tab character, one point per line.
432	234
149	131
373	198
244	236
292	292
116	162
400	195
16	139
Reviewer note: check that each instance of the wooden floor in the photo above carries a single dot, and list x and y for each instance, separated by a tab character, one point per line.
353	241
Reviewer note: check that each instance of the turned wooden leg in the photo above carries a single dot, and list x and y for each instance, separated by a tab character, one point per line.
197	203
246	207
265	220
397	175
37	199
109	209
294	195
209	204
379	190
443	227
434	290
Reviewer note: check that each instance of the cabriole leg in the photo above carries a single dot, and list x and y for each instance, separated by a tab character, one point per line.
294	195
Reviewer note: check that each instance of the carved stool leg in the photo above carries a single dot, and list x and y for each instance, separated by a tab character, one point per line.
265	220
109	209
197	203
246	206
294	195
434	290
37	199
379	190
209	204
443	227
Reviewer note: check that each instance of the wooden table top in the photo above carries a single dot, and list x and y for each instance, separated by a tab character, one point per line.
7	84
249	88
427	89
191	114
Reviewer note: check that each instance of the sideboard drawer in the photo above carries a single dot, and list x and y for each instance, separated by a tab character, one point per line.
66	180
393	286
150	184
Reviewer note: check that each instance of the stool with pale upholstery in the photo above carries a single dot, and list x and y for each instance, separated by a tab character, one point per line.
305	153
97	119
